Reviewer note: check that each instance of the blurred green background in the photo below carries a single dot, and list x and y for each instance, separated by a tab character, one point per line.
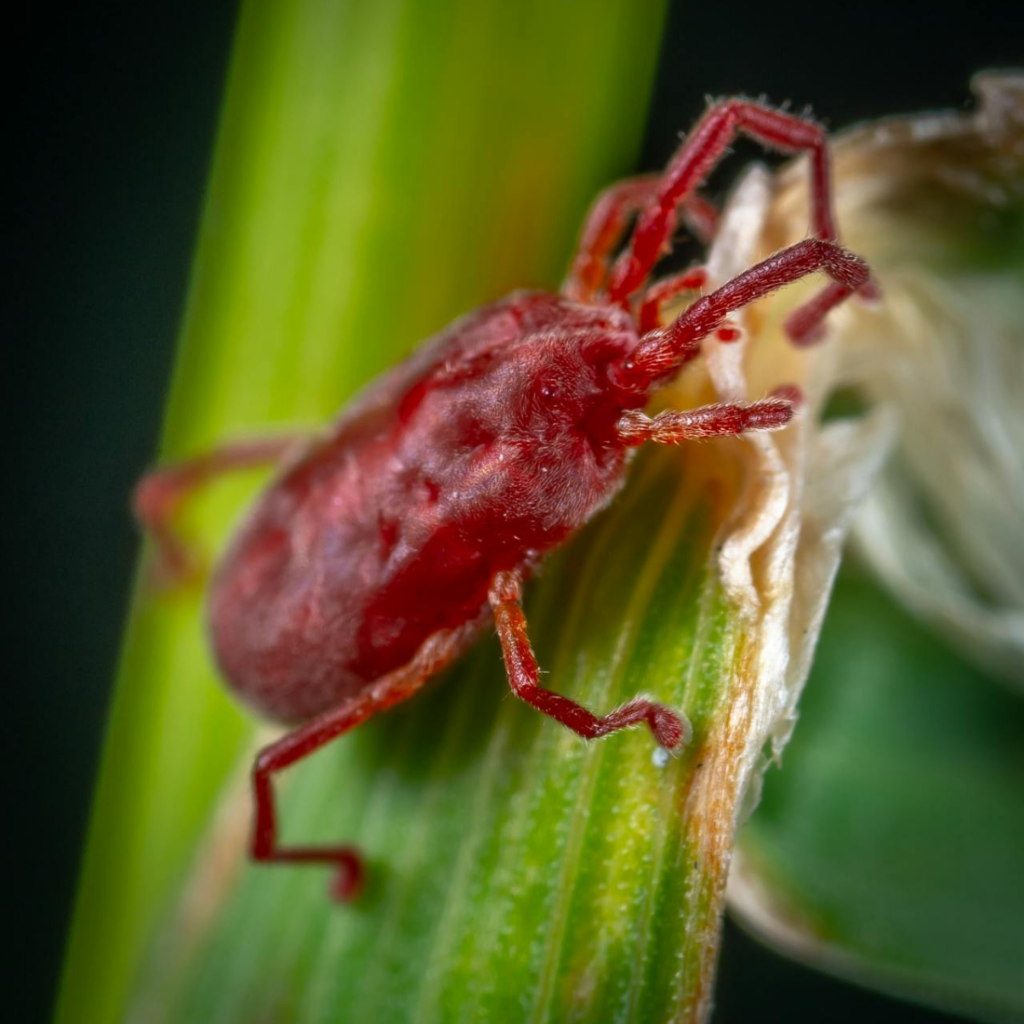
120	109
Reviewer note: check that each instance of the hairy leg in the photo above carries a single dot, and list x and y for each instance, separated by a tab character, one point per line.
701	150
661	353
669	728
159	493
436	653
676	427
607	220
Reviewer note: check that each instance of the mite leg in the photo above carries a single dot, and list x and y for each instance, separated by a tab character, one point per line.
701	150
669	728
675	427
607	220
159	494
660	353
434	655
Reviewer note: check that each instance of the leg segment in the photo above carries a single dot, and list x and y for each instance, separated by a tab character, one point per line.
602	228
607	220
676	427
434	655
159	494
701	150
669	729
662	352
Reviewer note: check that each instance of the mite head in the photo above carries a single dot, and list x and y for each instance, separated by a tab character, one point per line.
558	383
530	369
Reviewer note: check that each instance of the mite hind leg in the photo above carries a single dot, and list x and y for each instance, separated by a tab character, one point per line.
670	729
435	654
160	493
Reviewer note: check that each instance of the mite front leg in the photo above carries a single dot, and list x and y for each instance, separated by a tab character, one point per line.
603	227
661	353
607	220
669	729
159	494
435	654
699	153
676	427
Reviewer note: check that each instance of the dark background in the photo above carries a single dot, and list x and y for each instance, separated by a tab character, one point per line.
120	107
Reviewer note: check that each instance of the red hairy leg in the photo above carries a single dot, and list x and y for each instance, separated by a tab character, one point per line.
602	228
606	221
694	160
159	493
677	426
669	728
660	353
435	654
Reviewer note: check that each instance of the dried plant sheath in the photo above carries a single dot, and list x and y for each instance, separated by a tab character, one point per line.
889	849
936	203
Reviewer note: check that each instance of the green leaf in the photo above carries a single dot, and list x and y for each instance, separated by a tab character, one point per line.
889	848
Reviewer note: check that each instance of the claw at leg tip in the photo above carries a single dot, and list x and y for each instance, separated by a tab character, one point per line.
672	731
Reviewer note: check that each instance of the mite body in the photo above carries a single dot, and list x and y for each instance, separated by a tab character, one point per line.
485	450
386	545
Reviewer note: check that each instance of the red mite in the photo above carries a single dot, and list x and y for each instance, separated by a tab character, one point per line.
387	545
